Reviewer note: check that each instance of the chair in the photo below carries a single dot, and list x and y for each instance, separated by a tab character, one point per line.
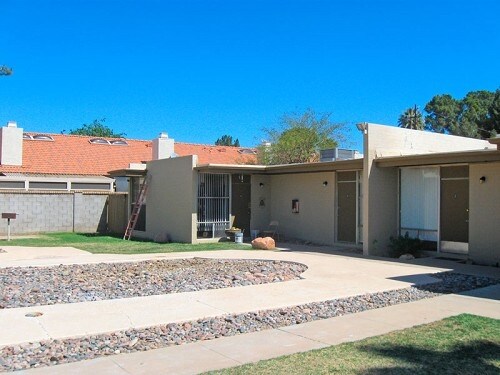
272	231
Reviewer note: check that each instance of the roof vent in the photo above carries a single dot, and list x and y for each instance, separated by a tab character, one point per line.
120	142
42	137
247	151
99	141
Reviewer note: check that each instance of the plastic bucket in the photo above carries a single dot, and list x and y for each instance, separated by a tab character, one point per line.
238	237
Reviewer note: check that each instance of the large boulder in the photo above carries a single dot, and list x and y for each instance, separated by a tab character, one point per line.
263	243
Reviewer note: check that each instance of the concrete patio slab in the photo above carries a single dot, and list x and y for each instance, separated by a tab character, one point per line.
329	276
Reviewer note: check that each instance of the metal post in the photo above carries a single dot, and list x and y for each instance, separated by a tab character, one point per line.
8	229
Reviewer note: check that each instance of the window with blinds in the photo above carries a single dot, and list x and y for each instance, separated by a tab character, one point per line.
419	202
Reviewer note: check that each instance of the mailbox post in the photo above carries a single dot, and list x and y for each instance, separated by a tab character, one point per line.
8	216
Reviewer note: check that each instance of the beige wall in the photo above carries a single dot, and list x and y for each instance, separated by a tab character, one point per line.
380	185
260	215
171	199
484	214
315	221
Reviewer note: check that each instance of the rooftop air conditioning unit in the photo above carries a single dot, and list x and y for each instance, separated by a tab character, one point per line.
334	154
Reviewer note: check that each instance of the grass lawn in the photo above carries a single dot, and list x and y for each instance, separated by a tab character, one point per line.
101	244
464	344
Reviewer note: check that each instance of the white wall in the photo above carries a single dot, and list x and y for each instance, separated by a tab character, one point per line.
11	145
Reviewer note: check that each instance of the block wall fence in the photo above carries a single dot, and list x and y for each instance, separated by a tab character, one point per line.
56	211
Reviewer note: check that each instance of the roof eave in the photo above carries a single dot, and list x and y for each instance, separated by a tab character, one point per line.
127	172
461	157
353	164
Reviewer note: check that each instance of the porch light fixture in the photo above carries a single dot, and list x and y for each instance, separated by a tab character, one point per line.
325	183
482	179
261	184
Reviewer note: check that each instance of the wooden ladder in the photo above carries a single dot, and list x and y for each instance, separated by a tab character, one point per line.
134	216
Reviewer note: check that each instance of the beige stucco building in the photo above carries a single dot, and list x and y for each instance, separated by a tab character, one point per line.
443	189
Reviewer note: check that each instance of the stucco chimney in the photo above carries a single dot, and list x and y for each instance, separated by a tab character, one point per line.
11	144
163	147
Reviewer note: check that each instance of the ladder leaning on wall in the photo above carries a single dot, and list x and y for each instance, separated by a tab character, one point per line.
134	216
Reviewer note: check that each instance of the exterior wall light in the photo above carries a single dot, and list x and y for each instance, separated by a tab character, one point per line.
261	184
325	183
482	180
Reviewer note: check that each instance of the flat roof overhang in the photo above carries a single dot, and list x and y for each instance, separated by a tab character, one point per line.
127	172
495	141
330	166
461	157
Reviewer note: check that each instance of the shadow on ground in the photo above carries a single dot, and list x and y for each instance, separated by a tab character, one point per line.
475	357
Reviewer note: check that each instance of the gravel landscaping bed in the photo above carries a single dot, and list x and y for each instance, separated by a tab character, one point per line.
34	286
51	352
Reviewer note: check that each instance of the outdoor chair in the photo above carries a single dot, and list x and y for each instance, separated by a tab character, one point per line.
272	231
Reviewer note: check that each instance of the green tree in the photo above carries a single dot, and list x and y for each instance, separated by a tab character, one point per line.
492	125
467	117
97	129
5	71
411	119
443	114
227	140
299	138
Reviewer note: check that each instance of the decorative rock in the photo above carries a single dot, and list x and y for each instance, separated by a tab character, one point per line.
263	243
33	314
406	257
34	286
133	342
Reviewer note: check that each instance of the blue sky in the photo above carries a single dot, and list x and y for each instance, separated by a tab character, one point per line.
201	69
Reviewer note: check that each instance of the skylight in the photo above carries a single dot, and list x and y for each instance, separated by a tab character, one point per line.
99	141
247	151
41	137
102	141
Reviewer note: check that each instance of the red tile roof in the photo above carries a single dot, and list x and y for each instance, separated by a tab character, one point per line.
75	155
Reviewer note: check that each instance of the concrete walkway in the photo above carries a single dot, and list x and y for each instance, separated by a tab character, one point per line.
328	277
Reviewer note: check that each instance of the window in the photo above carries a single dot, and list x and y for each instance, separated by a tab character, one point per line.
48	185
11	184
89	186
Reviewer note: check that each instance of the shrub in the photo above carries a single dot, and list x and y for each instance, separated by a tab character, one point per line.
405	245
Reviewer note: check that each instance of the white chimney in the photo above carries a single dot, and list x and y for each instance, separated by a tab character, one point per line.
163	147
11	144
